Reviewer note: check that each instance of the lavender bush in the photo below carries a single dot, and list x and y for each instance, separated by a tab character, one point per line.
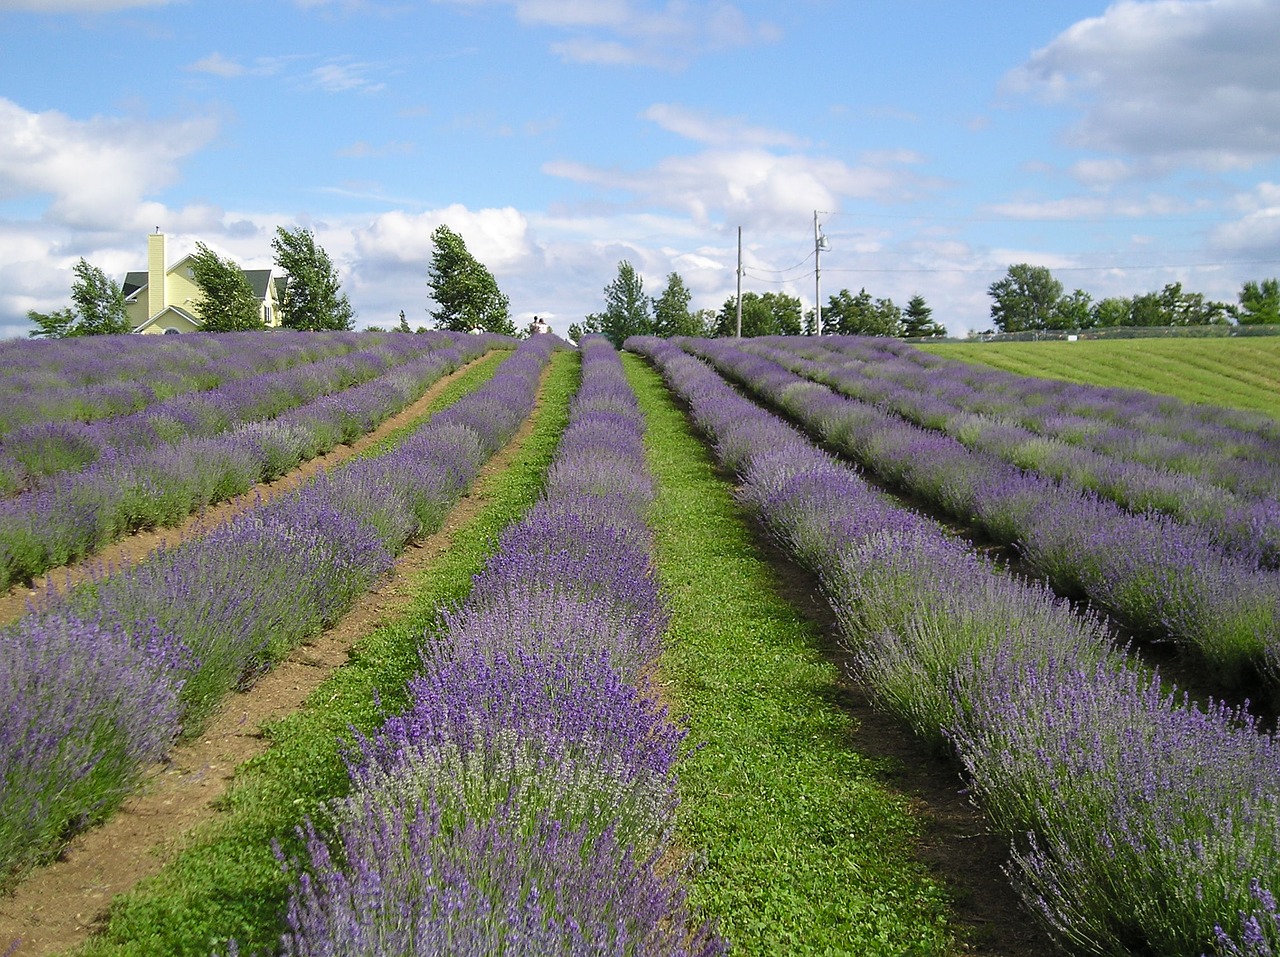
84	705
74	515
155	647
1161	578
1141	823
404	883
522	805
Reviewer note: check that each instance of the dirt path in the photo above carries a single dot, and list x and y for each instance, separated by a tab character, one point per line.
131	550
61	904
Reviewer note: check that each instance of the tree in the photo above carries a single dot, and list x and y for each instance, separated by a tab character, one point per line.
671	315
464	290
627	310
773	314
227	303
1025	299
1073	312
1259	302
98	308
312	299
917	320
848	315
1112	311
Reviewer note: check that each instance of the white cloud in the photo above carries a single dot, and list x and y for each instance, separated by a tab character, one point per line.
496	237
343	76
1169	81
95	171
716	131
215	64
1091	208
1257	231
638	32
745	186
218	65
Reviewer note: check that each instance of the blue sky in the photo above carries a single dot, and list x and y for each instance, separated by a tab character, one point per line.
1125	146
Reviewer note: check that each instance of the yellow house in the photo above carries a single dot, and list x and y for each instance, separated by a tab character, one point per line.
164	299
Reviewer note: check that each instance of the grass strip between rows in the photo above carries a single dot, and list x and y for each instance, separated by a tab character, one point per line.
228	882
802	848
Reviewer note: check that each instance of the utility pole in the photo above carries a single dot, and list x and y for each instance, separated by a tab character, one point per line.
739	332
819	244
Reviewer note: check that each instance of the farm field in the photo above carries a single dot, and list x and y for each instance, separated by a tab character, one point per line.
669	665
1239	373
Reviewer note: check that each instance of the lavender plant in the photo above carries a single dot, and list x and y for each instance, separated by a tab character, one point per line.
102	679
1159	577
74	515
402	882
1142	823
522	804
84	705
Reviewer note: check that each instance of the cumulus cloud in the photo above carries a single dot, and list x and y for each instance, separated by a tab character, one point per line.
1257	230
95	171
748	186
496	237
1169	81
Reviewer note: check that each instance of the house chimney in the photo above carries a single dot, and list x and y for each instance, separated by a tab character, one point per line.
157	294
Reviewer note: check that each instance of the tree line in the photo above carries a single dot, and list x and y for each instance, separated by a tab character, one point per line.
1030	299
628	311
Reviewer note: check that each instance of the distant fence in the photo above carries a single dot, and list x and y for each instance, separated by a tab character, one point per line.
1124	332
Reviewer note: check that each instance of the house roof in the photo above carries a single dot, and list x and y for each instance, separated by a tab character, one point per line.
259	280
133	281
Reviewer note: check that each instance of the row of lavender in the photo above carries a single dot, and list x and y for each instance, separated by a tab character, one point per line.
1162	578
29	454
1132	423
524	803
95	685
1218	476
94	377
74	515
1140	822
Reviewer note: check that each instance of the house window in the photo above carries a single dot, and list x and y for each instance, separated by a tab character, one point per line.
266	313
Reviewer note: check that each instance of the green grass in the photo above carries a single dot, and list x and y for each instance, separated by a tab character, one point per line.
227	882
801	847
1238	373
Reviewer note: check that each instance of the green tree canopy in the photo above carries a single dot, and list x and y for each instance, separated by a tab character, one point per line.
466	294
1074	311
917	320
771	314
671	315
848	315
1259	302
627	310
1025	299
313	299
97	308
1112	311
227	303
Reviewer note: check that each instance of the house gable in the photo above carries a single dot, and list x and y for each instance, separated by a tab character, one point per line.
171	318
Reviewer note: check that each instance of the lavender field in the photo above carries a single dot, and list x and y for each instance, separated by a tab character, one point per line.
529	761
